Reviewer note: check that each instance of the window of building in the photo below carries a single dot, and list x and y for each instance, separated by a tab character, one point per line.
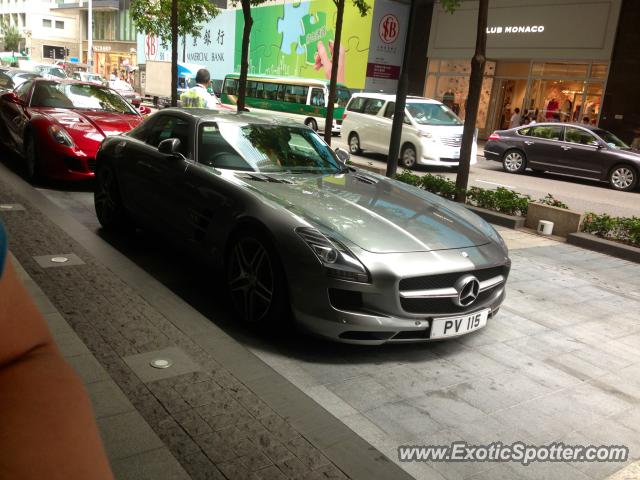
46	23
59	24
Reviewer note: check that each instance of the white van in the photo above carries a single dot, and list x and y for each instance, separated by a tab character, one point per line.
431	135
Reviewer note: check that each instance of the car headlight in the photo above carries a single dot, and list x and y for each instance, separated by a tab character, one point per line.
336	258
60	135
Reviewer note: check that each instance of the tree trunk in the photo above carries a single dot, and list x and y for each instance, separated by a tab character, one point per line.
473	100
184	49
335	64
244	57
174	53
401	99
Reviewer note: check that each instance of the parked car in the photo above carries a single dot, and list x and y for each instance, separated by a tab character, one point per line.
432	133
57	126
90	78
571	149
356	256
52	72
12	78
126	90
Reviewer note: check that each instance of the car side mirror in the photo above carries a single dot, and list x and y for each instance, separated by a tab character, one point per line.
170	146
342	155
12	98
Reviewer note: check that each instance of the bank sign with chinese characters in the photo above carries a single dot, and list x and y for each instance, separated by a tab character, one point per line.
214	49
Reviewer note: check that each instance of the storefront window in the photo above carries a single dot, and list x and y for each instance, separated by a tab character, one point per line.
566	70
599	70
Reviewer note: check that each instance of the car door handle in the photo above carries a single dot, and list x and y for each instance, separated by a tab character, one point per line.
565	148
528	142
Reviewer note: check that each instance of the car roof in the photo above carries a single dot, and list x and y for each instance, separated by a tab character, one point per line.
229	116
67	80
392	97
563	124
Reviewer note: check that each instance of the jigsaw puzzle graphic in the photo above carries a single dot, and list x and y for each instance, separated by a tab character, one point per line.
290	26
315	30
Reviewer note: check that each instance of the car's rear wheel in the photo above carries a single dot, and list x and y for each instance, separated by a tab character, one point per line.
623	178
33	167
256	281
312	124
354	144
107	199
408	156
513	161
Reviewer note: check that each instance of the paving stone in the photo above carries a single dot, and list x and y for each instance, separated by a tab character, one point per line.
216	448
88	368
49	261
107	399
153	465
127	434
181	364
255	460
269	473
197	394
200	467
192	423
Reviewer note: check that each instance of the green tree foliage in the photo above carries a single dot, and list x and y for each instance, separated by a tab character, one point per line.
12	38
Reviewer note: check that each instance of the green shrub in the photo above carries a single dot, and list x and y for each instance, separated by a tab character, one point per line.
619	229
500	200
553	202
409	178
439	185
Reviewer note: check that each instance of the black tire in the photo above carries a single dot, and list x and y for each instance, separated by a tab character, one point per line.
256	281
312	124
408	156
33	162
354	144
108	202
623	177
514	161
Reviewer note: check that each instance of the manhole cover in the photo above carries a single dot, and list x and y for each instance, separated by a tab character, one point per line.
59	259
161	363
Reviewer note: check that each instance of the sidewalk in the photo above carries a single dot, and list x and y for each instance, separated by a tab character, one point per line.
217	412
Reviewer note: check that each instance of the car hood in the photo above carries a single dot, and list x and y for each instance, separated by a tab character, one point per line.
88	122
373	212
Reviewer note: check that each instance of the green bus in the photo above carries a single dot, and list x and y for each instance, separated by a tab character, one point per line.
303	99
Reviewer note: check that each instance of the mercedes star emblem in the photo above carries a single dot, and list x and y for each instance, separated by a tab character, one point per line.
468	288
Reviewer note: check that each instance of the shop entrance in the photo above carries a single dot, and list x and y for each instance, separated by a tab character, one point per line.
509	94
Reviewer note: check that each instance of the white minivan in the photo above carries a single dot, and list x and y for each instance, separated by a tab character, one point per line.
431	135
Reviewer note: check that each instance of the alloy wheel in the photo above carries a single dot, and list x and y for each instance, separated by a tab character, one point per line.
354	144
106	198
408	157
623	178
513	162
251	279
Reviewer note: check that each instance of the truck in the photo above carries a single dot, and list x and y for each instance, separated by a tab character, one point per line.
157	80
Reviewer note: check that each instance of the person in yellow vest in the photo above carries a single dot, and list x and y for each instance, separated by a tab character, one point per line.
198	96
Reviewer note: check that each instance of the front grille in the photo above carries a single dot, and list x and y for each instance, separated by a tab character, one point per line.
443	306
453	141
445	280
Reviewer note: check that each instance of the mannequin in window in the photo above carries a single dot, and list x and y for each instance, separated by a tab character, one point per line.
552	107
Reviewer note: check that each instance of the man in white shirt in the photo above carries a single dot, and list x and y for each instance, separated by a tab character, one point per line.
198	96
516	119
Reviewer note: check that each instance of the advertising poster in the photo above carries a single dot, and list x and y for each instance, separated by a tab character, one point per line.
388	33
296	39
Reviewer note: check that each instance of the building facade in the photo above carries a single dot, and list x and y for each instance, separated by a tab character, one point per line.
46	32
550	59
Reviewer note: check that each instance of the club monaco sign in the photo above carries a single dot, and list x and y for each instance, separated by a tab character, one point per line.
515	29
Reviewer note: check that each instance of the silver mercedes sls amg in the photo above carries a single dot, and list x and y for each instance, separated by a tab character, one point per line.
352	255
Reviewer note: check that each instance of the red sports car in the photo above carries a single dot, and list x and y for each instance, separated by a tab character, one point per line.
57	126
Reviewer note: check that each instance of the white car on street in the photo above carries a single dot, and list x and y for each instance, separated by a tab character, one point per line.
431	134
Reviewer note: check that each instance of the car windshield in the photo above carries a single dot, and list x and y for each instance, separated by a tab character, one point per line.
265	149
611	140
432	114
82	96
343	95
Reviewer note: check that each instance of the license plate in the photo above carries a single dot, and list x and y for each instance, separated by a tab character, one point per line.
453	326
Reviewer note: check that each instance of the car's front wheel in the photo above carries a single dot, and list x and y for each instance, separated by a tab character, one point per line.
513	161
408	156
354	144
623	178
108	202
256	281
33	163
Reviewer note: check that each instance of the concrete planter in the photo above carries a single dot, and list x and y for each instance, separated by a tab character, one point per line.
597	244
497	218
564	221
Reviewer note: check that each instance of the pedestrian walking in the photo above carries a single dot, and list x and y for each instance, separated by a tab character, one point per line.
516	119
198	96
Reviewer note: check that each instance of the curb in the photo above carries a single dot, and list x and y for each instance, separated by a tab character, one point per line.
497	218
597	244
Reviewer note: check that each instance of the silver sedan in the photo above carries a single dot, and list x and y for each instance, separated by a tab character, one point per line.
353	256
